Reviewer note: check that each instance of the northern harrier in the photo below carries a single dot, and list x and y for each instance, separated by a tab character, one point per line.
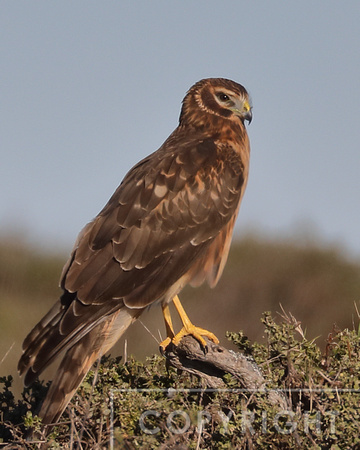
168	224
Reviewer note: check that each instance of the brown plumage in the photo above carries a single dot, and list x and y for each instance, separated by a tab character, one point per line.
169	223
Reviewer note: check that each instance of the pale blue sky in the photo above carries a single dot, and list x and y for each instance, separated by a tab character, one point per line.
87	88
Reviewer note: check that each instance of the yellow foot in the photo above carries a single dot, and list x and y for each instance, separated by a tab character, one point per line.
194	331
164	344
197	333
187	329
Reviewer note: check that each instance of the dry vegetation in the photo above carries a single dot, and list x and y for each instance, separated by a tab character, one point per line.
318	285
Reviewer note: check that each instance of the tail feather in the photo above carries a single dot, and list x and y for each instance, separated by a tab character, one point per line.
33	341
47	340
79	358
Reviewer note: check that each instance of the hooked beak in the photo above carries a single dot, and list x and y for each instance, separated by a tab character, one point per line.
247	114
243	110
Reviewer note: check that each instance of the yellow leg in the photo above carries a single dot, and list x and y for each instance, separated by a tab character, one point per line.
169	327
187	329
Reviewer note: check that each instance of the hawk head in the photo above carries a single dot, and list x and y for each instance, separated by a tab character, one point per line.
215	100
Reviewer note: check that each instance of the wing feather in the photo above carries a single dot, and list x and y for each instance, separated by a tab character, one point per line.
172	202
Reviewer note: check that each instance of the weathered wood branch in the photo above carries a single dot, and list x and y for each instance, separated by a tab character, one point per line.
212	365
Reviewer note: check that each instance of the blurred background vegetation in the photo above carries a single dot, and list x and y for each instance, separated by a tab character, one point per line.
318	284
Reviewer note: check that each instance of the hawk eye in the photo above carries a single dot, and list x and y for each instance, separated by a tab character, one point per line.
223	97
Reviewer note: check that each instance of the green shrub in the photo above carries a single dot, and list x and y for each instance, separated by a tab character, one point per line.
147	405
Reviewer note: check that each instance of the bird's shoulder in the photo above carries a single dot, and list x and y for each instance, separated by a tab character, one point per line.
176	164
